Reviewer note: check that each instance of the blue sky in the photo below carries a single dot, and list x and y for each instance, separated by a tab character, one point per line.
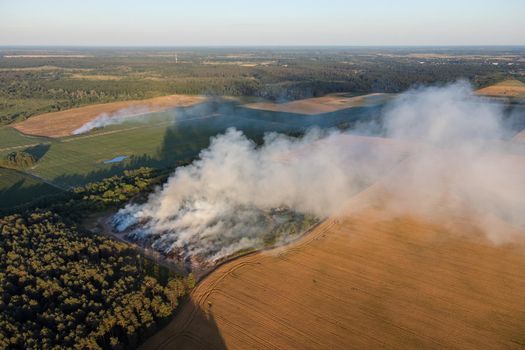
268	22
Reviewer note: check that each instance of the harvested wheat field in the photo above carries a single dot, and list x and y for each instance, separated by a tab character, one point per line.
63	123
507	88
376	276
366	280
320	105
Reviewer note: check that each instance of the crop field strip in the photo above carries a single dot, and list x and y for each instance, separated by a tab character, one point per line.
320	105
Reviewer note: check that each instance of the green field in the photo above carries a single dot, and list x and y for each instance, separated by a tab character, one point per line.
12	139
158	141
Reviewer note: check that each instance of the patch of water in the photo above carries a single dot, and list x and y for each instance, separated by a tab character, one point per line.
115	160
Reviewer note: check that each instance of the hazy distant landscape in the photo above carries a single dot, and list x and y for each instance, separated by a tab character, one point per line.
39	80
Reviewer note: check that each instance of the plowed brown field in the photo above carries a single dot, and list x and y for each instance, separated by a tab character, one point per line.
63	123
363	281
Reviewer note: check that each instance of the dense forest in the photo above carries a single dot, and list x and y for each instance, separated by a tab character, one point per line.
116	189
62	287
33	85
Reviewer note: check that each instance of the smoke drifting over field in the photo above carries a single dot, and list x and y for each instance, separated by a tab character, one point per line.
461	163
444	156
106	119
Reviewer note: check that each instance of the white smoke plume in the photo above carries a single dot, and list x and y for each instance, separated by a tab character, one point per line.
462	162
118	117
216	205
444	151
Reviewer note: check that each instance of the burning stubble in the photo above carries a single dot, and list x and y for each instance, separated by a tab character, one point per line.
119	117
443	154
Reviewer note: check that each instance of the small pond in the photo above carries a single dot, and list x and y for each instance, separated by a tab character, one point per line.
115	160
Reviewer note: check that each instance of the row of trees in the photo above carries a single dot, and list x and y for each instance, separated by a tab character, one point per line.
117	189
97	196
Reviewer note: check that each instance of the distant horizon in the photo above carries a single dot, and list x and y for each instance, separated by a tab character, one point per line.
232	23
313	46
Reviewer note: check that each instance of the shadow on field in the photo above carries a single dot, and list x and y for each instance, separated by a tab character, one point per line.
17	188
38	151
192	129
191	328
514	118
134	162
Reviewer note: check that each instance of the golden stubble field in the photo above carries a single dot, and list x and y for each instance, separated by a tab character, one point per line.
369	278
63	123
320	105
507	88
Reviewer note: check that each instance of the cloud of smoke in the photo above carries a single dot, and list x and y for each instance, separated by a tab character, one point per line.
461	162
217	205
443	154
118	117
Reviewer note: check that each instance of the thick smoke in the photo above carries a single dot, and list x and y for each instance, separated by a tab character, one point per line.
118	117
461	164
444	154
215	206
